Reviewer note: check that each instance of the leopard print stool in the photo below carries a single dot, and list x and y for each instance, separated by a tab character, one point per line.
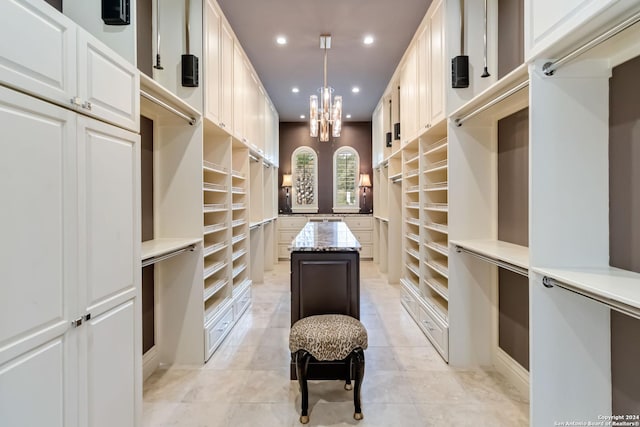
329	337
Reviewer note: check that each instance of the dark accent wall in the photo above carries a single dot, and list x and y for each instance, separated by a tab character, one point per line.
144	37
146	180
624	227
513	227
510	35
296	134
55	3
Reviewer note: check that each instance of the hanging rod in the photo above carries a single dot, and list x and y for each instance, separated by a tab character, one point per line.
623	308
550	67
491	103
499	263
155	259
192	121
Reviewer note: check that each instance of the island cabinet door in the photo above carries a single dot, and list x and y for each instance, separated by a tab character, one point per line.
324	283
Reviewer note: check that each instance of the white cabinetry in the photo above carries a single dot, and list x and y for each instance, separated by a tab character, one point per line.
212	61
60	62
71	334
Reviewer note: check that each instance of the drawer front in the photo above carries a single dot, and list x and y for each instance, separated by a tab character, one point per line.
366	251
285	237
296	223
241	303
363	237
283	252
216	330
408	302
438	333
359	222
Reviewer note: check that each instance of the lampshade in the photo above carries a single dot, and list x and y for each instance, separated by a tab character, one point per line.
286	180
365	181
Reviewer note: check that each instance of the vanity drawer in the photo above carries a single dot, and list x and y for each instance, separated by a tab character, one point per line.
363	237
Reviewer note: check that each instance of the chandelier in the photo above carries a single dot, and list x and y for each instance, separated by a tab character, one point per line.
328	113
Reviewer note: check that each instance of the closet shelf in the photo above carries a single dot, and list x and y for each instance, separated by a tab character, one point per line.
437	186
412	160
238	270
415	254
413	237
214	207
413	189
156	250
214	288
218	188
617	288
212	249
238	254
238	206
441	248
438	267
214	228
238	222
414	269
438	285
441	228
412	173
436	147
213	310
437	166
237	175
213	167
212	268
412	221
437	207
238	238
497	250
157	101
412	205
499	88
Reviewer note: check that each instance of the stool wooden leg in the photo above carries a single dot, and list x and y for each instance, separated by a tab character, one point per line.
358	355
347	366
302	366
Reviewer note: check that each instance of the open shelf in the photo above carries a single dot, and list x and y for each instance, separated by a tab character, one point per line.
611	286
213	167
212	286
438	285
163	246
212	267
496	249
439	266
210	249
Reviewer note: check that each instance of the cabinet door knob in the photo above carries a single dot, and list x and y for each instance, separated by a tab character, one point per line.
87	105
76	101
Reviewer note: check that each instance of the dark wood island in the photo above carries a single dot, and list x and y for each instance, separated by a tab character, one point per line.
325	279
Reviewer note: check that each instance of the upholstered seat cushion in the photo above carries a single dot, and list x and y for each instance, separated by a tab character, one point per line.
328	336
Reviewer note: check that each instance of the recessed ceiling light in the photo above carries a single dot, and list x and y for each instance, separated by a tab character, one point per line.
368	40
295	90
281	40
355	89
302	116
348	116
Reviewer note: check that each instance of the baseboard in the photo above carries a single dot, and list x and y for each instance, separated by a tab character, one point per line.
513	371
150	362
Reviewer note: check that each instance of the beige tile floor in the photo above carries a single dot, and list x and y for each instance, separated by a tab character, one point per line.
406	383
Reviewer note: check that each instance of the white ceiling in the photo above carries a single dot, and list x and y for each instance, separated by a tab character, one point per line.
299	63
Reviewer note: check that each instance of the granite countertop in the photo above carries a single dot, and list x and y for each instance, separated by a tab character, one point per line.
325	237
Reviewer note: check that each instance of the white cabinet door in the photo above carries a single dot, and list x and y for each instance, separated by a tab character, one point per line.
226	78
37	54
110	378
108	86
38	268
437	61
212	62
424	73
109	257
238	92
109	214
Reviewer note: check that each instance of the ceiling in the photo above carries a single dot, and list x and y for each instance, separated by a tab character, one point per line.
299	63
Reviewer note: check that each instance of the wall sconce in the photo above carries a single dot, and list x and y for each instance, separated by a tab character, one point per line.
365	182
286	184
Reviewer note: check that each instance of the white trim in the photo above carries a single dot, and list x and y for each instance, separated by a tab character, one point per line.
150	362
311	208
346	208
516	375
